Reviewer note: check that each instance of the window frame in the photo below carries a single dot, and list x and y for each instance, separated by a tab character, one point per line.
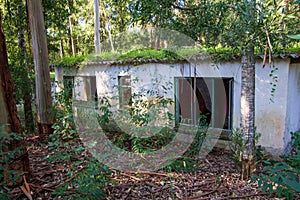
121	88
230	94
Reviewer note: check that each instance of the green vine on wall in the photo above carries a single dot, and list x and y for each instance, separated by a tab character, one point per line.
273	83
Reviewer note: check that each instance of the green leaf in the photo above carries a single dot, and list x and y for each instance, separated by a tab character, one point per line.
296	37
295	185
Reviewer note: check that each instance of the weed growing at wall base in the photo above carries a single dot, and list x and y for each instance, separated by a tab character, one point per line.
282	178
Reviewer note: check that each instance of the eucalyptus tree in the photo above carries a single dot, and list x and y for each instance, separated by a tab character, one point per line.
9	119
254	26
25	67
97	41
60	19
119	14
41	66
15	24
152	14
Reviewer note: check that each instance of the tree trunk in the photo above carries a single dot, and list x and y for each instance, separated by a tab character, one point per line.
248	112
284	10
61	49
107	27
26	88
9	119
41	66
97	27
72	44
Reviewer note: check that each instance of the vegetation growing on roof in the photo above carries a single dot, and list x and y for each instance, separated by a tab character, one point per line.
149	53
218	54
290	50
70	61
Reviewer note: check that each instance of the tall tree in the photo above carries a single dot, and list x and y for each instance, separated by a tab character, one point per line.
9	114
97	27
41	66
248	112
248	95
26	89
15	24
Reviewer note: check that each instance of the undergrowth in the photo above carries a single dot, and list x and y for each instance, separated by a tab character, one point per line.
8	177
282	178
87	177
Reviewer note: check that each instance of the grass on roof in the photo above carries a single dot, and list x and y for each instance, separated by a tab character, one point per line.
223	53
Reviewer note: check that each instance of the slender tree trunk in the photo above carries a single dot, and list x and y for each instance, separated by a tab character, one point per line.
107	27
61	48
97	27
72	44
284	10
248	112
41	66
26	88
9	115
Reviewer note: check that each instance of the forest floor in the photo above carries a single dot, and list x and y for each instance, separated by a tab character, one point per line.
216	177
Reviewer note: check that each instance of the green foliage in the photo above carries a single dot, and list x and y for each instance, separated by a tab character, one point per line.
63	126
103	56
223	53
296	37
288	50
273	83
282	178
184	164
149	53
6	157
86	183
87	176
64	123
170	55
70	61
294	158
136	121
238	146
201	129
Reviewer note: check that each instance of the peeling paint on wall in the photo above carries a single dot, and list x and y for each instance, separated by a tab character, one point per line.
274	120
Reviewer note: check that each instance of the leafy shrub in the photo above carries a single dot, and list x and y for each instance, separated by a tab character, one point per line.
294	158
282	178
185	164
6	156
87	183
136	121
87	177
238	145
201	129
64	127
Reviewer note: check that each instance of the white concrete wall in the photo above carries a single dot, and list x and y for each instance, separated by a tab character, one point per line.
79	93
293	104
270	116
274	118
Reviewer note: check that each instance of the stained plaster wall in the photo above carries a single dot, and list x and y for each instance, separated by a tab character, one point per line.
274	118
270	112
293	104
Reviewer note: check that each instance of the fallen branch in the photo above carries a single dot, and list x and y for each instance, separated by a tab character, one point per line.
206	182
132	177
202	195
243	196
26	192
151	173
